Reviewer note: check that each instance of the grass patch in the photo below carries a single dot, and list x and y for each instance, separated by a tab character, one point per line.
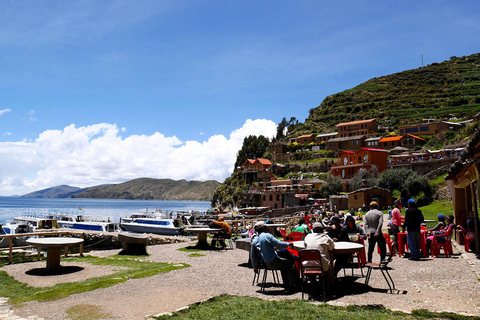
190	249
234	307
20	292
431	211
86	312
193	255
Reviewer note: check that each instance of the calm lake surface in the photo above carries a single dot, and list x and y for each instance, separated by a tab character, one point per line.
11	207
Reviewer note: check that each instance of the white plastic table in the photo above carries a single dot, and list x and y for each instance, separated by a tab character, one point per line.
54	247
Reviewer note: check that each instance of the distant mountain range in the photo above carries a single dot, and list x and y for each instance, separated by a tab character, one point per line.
137	189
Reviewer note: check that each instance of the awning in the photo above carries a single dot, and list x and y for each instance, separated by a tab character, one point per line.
301	195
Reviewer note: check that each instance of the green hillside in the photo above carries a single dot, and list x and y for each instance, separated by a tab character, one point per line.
153	189
438	91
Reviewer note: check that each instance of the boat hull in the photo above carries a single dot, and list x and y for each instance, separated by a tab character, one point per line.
147	228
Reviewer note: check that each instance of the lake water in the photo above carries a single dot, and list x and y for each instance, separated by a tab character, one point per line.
11	207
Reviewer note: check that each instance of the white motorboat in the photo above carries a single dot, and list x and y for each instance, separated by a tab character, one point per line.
27	223
153	222
84	222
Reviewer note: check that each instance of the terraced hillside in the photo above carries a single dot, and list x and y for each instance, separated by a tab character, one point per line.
438	91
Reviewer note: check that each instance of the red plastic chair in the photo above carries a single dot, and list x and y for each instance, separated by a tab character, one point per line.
309	271
447	246
468	237
283	232
296	236
388	242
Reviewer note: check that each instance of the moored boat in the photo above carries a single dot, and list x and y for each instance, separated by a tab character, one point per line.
153	222
84	222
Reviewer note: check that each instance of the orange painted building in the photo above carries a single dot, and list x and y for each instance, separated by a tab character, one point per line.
350	162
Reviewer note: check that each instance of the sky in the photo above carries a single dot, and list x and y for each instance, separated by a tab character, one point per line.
95	92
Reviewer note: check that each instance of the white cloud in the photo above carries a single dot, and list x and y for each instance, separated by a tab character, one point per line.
96	154
3	111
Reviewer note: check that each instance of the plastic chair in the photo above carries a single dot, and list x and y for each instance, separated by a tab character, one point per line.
388	242
224	238
447	246
283	232
263	266
311	271
468	237
383	267
296	236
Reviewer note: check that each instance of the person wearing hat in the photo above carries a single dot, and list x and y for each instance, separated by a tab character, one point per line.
335	228
413	222
318	240
264	246
441	224
373	228
226	232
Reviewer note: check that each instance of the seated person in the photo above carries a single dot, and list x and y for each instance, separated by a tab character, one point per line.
449	226
335	229
335	232
226	232
301	227
441	224
320	241
351	228
264	246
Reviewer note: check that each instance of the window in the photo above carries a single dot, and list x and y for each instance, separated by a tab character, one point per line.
355	197
424	128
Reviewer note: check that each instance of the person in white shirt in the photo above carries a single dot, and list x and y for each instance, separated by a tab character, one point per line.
318	240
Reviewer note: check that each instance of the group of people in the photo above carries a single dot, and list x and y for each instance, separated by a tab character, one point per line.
274	254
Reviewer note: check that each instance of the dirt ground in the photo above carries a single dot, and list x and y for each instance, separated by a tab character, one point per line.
437	284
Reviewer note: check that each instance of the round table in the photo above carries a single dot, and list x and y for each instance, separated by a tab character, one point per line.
202	234
54	247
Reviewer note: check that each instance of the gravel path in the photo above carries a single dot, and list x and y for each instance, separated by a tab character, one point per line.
439	284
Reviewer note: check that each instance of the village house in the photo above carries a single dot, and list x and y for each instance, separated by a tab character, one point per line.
357	128
430	128
360	197
350	162
325	137
306	139
256	170
463	183
372	142
407	141
346	143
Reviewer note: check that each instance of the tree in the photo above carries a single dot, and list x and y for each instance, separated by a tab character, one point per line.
363	179
253	147
407	181
332	185
281	129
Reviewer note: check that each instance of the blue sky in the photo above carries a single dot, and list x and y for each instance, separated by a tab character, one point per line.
191	72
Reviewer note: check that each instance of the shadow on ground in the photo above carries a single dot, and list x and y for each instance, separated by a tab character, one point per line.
53	272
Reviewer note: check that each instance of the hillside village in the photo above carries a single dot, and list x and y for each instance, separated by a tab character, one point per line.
358	145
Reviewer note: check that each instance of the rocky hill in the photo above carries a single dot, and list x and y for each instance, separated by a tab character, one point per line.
153	189
437	91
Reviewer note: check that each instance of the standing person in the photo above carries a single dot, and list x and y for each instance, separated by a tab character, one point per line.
395	224
413	222
226	232
266	244
373	228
